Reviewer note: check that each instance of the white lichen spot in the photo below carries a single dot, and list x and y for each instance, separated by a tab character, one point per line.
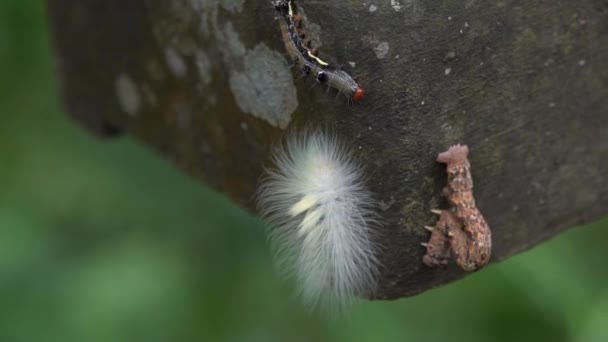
265	87
127	94
396	5
448	71
352	64
232	45
208	12
381	50
450	18
372	8
582	62
203	65
175	62
466	24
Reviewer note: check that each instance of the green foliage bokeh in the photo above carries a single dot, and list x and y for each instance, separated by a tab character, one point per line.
105	241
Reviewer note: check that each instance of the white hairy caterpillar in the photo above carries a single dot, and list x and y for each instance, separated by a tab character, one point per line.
306	59
322	219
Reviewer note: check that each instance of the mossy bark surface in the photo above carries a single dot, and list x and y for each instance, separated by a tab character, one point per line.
206	83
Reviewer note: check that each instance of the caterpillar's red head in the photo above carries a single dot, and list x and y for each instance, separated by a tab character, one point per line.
358	95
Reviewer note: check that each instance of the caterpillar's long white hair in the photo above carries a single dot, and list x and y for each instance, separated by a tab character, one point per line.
322	219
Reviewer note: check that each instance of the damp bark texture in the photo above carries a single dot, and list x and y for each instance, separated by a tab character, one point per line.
207	84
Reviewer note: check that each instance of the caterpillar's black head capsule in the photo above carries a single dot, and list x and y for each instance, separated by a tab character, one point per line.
281	6
321	76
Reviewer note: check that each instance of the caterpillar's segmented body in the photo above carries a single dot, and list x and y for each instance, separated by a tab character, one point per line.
461	231
306	58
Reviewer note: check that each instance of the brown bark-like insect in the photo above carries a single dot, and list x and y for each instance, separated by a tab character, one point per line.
461	231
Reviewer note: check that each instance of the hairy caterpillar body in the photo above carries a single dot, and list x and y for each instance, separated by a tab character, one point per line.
306	58
322	219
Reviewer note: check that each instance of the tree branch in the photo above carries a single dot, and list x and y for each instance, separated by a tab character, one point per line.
523	84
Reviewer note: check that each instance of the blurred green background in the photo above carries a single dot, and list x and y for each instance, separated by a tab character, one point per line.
108	242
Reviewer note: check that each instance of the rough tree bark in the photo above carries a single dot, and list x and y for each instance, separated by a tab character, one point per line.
206	83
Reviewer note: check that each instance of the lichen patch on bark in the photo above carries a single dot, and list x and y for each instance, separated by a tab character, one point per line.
127	94
265	87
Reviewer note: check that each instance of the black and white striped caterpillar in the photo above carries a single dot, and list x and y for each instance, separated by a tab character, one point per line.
306	58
